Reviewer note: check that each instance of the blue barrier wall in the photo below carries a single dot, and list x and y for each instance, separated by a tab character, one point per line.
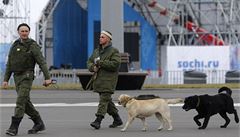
148	47
148	60
69	34
94	14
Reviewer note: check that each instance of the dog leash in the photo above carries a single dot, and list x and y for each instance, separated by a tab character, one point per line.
52	84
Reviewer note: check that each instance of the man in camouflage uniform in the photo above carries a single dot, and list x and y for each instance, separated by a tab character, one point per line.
105	62
23	56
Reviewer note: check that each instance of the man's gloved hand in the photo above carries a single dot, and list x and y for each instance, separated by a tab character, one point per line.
98	63
47	82
5	84
95	68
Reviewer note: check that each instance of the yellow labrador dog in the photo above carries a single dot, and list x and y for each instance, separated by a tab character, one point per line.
145	108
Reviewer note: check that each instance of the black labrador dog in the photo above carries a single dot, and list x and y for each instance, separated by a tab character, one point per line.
207	106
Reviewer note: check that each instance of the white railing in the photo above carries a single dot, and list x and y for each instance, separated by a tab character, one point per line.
153	77
177	77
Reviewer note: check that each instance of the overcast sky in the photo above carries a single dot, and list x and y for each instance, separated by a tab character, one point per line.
36	7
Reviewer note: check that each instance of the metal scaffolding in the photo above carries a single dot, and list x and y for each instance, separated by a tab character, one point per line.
207	19
12	13
192	22
44	26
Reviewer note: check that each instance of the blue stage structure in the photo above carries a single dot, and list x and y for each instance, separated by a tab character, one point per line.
74	29
69	34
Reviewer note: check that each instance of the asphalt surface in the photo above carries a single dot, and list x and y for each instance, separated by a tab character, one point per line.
68	113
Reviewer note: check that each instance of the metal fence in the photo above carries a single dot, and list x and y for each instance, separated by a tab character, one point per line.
177	77
62	76
153	77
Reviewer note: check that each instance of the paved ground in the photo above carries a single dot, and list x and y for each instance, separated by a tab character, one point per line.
68	114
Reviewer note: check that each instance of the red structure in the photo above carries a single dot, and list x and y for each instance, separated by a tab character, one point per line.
203	35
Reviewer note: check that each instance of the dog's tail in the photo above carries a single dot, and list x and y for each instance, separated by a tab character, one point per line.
228	90
174	101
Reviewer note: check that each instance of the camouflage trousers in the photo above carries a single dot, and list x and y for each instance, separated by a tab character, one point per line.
106	105
23	83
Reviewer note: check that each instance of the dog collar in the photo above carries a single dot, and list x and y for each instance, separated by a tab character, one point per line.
127	102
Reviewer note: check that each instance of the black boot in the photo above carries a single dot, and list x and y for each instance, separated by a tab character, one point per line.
96	124
38	125
117	121
13	129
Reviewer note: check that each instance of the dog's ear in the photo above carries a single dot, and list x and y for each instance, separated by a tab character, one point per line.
195	96
186	98
125	99
190	97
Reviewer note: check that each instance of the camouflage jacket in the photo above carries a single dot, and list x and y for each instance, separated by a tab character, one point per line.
23	56
109	63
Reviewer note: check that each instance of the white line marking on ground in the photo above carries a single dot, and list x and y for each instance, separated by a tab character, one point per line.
83	104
